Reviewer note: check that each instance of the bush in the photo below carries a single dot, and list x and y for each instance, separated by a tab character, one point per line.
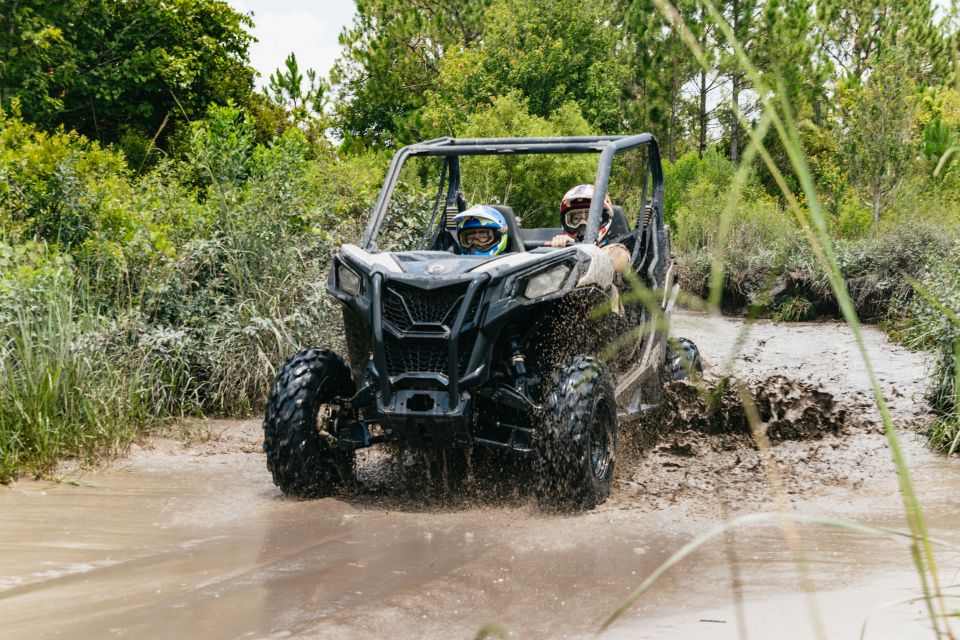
678	178
767	262
931	326
60	394
126	299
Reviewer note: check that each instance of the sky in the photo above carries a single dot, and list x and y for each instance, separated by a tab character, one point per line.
308	29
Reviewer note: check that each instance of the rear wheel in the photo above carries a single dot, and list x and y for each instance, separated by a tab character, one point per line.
576	445
298	437
683	360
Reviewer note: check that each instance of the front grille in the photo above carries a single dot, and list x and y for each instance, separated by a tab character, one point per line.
405	306
426	311
415	356
425	356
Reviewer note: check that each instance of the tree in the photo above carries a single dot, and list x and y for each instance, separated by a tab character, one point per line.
662	64
554	52
532	184
105	68
878	131
304	106
36	59
854	33
391	58
706	80
745	20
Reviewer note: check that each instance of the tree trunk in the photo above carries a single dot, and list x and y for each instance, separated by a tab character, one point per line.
735	118
703	113
735	90
672	136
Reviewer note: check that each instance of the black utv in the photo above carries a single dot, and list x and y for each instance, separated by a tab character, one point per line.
532	353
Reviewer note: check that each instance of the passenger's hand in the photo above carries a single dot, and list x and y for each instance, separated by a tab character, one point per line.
560	241
619	256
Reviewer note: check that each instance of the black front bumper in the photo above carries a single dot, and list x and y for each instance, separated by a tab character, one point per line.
427	353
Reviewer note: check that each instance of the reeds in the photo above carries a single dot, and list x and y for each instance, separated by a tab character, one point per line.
60	394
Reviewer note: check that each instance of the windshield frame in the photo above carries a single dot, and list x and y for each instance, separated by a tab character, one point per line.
452	148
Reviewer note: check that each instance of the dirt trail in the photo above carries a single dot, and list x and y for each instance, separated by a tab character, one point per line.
194	541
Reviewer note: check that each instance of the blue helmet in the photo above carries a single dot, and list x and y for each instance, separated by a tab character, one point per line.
482	231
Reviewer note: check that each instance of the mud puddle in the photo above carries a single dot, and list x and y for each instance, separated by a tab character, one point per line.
194	541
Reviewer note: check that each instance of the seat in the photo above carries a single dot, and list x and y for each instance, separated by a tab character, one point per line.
620	226
515	243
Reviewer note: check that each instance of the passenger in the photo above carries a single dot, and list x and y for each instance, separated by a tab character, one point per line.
574	211
482	231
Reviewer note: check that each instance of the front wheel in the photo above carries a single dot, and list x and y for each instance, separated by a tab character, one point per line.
577	442
298	438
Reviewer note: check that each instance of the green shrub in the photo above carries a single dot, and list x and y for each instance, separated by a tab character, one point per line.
60	393
128	298
930	327
678	178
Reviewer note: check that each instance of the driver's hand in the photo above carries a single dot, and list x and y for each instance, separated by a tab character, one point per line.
560	241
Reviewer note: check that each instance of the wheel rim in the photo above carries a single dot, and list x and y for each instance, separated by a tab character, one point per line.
601	456
324	417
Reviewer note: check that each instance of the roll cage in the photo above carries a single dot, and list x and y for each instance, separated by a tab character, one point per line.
452	148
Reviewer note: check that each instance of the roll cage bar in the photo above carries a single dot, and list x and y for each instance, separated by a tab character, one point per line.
453	148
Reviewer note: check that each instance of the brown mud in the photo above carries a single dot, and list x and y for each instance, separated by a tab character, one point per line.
187	537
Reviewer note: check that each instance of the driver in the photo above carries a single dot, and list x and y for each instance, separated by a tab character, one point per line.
574	211
482	231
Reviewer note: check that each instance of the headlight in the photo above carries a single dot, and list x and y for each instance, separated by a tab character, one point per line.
546	282
347	280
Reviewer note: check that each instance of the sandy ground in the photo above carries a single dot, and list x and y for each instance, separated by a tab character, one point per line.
191	539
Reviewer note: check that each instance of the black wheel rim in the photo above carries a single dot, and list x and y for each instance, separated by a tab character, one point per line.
601	436
324	417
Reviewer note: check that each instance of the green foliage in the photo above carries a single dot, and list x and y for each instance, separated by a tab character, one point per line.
714	168
794	309
758	221
551	53
60	394
391	56
876	144
767	262
937	139
931	326
221	146
304	107
165	297
101	68
853	220
532	184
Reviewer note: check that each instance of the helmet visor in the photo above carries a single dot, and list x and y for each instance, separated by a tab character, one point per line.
481	239
576	217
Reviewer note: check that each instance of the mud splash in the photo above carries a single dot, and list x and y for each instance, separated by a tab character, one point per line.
787	409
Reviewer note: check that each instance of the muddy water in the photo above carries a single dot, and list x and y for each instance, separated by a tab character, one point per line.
194	541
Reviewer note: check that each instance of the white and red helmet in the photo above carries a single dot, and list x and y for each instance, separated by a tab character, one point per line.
574	210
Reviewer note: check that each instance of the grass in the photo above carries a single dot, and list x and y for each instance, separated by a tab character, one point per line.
60	394
936	323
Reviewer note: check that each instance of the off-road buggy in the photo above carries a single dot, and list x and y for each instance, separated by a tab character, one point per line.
450	352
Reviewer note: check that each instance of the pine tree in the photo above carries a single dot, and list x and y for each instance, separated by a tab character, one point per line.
303	104
745	20
854	33
663	65
391	58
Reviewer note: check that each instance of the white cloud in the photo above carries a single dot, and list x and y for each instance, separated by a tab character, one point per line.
304	28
